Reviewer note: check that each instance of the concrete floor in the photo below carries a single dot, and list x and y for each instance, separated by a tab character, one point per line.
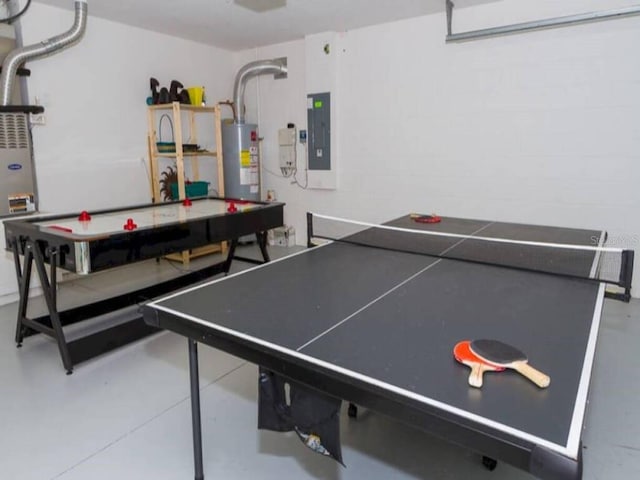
126	415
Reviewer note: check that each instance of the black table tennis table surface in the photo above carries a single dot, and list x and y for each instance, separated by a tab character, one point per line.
378	327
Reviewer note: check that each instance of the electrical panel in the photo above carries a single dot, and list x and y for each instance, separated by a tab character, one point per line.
319	124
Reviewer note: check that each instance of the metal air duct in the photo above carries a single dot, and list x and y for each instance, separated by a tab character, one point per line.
278	67
39	50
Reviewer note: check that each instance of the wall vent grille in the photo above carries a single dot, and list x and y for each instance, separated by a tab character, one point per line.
14	131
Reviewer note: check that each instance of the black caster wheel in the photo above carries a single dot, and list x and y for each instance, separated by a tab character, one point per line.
18	345
489	463
352	411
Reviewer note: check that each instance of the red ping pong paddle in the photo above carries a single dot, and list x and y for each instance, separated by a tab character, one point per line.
464	355
503	355
420	218
63	229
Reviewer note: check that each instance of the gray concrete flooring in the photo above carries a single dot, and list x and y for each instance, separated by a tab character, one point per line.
126	415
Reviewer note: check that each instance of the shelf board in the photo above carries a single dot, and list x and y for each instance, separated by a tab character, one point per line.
183	106
188	154
198	252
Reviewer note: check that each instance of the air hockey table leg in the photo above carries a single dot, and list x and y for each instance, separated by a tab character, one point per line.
23	275
261	237
230	255
49	291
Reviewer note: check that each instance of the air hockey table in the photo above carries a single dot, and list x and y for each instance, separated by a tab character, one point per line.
88	242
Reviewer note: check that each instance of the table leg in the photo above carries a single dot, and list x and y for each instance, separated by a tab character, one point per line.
262	243
230	255
196	423
23	275
261	239
49	291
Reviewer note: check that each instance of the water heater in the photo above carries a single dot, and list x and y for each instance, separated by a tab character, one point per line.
240	139
241	162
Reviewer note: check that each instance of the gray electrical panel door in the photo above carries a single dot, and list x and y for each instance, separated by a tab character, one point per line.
319	125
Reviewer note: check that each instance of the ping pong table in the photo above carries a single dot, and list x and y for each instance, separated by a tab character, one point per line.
376	326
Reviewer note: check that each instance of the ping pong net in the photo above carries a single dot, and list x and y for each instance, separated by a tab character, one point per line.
579	254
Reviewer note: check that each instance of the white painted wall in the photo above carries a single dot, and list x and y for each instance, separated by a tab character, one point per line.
92	153
541	127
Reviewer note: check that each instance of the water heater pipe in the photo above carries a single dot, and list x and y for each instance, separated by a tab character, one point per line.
250	70
39	50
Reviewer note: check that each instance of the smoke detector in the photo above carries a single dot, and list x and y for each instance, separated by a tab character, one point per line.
261	6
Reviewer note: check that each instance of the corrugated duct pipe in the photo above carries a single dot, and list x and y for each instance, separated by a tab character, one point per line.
39	50
261	67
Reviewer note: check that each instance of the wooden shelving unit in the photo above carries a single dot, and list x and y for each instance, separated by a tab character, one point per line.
175	111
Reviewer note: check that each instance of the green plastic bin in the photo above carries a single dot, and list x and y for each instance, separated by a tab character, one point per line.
192	189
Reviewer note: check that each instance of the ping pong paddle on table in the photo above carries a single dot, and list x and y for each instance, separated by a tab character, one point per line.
464	355
503	355
420	218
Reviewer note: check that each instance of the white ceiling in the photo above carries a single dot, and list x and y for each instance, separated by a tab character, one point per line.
225	24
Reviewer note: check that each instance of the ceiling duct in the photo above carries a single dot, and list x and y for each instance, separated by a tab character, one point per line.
39	50
277	67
